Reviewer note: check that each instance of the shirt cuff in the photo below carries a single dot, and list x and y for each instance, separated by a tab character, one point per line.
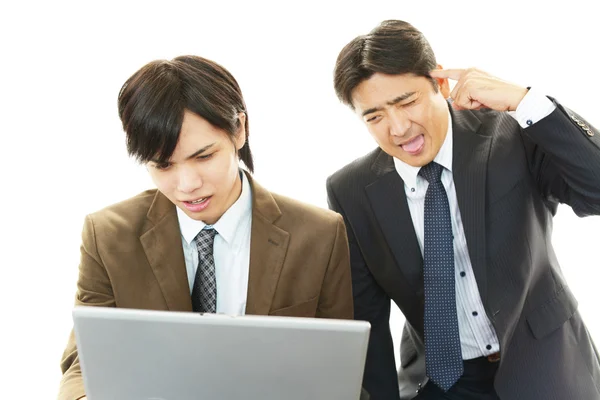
534	107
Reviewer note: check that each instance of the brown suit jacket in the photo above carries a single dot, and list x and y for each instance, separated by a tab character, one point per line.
132	257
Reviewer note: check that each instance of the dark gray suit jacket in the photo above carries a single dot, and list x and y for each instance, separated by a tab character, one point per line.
509	182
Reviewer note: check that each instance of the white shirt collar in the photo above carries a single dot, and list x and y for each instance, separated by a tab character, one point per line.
409	174
227	224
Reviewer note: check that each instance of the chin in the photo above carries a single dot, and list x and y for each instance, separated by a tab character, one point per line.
418	163
196	216
423	159
415	161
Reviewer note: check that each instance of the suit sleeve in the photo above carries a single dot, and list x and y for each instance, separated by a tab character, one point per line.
93	289
564	159
371	304
335	300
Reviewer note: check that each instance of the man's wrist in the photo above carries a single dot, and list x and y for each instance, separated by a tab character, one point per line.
519	95
532	108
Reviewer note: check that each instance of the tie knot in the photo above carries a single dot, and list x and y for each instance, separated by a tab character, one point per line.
432	172
206	237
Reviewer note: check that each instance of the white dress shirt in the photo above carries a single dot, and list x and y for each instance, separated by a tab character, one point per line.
477	335
231	251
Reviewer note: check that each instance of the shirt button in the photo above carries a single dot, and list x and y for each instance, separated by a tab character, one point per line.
463	273
489	347
529	122
475	313
412	189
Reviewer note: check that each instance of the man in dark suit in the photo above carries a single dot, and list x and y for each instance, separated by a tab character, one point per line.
451	218
209	238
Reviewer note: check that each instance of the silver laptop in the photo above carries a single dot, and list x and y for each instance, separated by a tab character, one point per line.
164	355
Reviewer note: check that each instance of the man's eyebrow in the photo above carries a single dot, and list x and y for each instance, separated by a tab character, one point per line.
389	103
197	153
371	110
202	150
400	98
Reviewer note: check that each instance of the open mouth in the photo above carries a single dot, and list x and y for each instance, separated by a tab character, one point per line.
197	205
415	145
199	201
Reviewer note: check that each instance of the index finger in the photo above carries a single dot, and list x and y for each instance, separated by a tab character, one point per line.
454	74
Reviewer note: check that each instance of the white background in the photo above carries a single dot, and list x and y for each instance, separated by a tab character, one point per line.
62	65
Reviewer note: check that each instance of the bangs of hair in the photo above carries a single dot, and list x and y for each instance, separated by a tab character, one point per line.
151	108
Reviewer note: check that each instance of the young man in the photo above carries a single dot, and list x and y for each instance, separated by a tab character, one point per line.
209	238
451	218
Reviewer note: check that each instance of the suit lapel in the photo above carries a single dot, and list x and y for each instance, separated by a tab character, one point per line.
388	202
163	248
470	156
268	246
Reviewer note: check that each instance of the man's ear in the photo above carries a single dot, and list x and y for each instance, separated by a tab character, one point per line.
240	136
444	86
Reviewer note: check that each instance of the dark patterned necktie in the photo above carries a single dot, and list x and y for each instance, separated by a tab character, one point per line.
443	356
204	293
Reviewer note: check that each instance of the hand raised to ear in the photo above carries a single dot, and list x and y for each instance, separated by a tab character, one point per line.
477	89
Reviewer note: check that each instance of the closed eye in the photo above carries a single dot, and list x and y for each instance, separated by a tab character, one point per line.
410	103
162	166
205	156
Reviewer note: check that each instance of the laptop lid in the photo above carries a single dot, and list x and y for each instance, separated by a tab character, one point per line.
164	355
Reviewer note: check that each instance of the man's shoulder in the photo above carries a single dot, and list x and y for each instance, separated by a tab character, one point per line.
298	213
355	171
127	214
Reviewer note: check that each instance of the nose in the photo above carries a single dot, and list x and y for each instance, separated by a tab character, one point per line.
188	179
399	123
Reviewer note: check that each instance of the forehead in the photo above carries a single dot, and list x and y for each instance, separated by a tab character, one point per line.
196	132
196	128
380	89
